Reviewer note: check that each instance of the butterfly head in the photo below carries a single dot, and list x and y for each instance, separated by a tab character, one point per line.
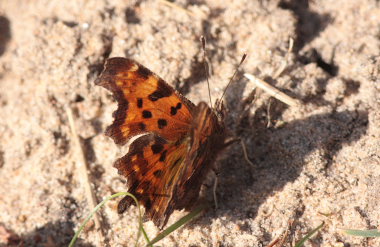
219	110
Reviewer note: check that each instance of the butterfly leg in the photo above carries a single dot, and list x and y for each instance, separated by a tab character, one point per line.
245	153
215	186
237	139
230	141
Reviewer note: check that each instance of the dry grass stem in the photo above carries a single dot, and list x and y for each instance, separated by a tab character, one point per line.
82	167
274	92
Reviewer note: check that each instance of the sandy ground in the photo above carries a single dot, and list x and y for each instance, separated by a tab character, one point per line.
315	163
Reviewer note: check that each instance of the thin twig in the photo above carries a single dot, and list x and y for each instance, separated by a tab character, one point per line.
82	167
203	41
214	191
284	61
269	123
274	242
274	92
245	153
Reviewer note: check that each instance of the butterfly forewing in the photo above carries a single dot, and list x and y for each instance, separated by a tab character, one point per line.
146	103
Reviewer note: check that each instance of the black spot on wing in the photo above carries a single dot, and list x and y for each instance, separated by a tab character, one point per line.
157	148
146	114
142	126
158	173
163	156
163	90
173	111
143	72
178	142
162	123
139	102
148	204
137	147
137	127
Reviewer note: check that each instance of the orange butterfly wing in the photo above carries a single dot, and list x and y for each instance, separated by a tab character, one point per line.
152	167
146	103
165	167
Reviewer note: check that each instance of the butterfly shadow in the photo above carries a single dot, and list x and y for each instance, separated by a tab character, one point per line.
278	155
309	23
5	30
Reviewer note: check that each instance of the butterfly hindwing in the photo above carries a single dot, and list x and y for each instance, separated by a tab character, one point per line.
152	166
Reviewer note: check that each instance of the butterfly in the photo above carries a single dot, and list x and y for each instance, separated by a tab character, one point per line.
176	141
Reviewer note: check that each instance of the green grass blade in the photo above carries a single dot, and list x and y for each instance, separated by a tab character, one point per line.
178	224
363	233
308	236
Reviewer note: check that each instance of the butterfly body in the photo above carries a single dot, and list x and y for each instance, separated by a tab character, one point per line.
177	141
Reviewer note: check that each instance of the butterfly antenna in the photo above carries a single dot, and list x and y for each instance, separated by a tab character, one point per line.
233	76
203	40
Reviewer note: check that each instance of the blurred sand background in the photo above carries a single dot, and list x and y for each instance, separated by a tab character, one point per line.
319	162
